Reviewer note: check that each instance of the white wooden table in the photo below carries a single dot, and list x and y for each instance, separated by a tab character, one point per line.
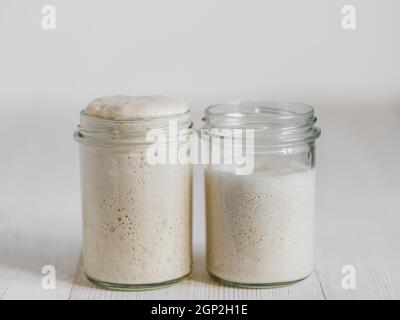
358	213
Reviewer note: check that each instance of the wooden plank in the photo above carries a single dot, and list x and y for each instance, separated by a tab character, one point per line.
373	281
357	220
358	206
24	250
200	286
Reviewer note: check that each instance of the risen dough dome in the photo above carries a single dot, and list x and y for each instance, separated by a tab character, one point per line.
122	107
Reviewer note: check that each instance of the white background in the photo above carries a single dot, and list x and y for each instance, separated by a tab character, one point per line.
206	52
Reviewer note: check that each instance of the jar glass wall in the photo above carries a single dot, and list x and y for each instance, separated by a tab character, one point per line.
260	225
136	215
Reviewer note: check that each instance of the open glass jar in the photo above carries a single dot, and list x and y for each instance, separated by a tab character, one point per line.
260	225
136	215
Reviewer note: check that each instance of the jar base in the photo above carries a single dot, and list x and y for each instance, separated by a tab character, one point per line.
135	287
255	285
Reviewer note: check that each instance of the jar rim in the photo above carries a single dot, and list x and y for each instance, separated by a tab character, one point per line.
264	110
83	115
96	130
273	122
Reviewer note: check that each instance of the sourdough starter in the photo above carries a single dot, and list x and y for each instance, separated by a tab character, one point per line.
136	216
260	226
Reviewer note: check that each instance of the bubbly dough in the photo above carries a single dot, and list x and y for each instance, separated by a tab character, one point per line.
122	107
260	227
136	217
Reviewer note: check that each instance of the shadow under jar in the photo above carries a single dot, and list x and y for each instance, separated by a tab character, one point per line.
260	226
136	215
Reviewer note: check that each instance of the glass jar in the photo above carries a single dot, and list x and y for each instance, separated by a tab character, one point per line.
136	214
260	224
